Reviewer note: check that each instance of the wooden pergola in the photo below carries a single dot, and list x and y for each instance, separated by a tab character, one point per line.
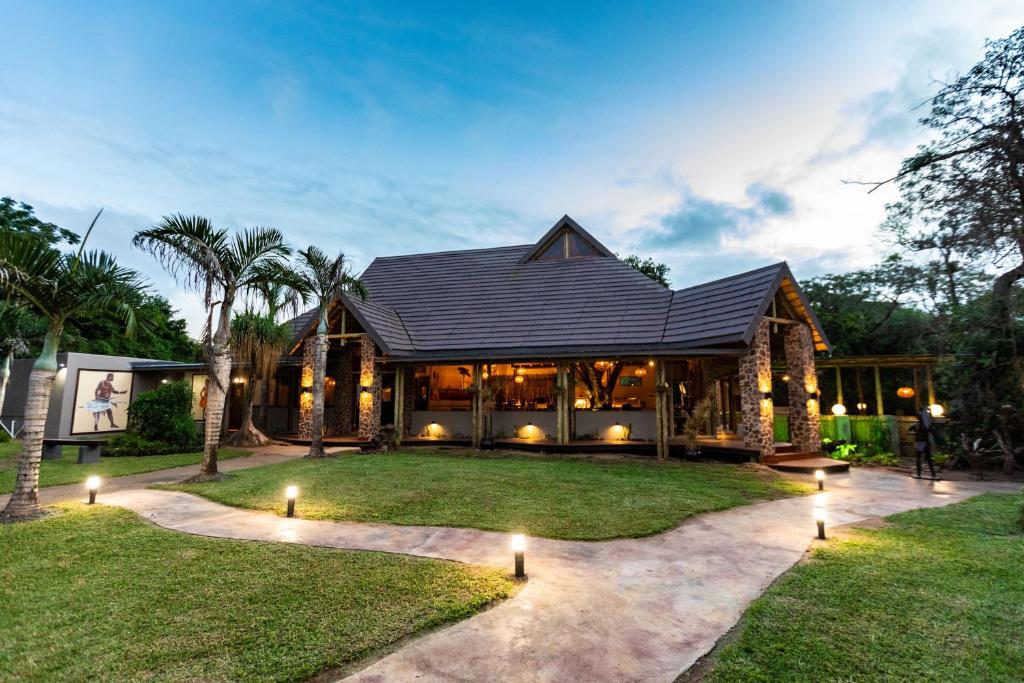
915	362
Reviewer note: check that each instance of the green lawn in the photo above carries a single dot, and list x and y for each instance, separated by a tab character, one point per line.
552	497
95	593
935	595
67	471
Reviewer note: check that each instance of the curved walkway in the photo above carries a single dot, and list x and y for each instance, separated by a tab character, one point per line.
633	609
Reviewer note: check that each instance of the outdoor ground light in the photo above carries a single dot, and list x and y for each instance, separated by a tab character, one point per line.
862	406
819	518
291	493
519	548
838	409
820	476
936	410
93	485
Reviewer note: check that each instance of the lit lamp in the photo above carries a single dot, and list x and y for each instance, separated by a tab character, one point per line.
862	406
92	484
785	378
519	379
581	403
905	392
484	375
163	381
519	549
839	409
819	518
936	410
291	493
820	476
766	395
650	363
640	371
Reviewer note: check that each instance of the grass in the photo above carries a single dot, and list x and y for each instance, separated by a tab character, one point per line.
67	471
552	497
97	593
933	595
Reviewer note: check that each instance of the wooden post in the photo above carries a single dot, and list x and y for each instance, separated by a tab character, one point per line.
399	403
917	393
878	392
661	403
563	403
839	386
477	403
931	384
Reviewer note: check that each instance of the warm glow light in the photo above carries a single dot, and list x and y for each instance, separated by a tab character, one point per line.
519	379
650	363
819	474
839	409
485	375
786	378
163	381
520	371
291	492
905	392
862	406
640	372
518	543
819	515
581	403
936	410
92	483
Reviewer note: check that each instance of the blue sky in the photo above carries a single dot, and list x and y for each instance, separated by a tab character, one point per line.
713	136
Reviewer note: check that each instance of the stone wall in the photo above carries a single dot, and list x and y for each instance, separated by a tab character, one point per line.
755	374
369	378
343	393
309	348
804	408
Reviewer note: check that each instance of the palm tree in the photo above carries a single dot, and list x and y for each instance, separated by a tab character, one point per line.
14	319
257	340
326	279
280	292
58	287
221	266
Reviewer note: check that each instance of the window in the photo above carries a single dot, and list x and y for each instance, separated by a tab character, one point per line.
568	244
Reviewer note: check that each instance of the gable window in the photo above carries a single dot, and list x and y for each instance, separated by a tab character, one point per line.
568	244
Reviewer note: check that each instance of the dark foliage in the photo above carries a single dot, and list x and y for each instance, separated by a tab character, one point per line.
649	267
164	416
20	217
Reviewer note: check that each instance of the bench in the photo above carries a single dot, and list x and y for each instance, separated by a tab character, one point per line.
88	449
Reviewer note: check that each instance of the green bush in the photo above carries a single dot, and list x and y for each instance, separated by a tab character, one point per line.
4	436
164	415
131	445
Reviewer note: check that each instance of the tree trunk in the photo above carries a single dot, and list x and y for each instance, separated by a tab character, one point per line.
316	437
24	502
220	368
5	377
247	435
264	401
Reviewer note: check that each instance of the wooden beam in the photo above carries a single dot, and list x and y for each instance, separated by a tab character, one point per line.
878	392
931	385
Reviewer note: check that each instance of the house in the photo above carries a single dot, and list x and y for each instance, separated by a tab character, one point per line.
555	345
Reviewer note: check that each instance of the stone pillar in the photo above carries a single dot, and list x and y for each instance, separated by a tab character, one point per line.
755	382
369	390
804	405
344	391
306	389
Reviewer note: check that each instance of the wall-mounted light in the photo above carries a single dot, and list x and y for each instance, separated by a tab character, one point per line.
786	378
766	395
519	551
364	389
838	409
163	381
936	410
650	363
92	485
862	406
485	375
61	366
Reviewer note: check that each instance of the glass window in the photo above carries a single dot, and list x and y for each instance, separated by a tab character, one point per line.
580	247
555	250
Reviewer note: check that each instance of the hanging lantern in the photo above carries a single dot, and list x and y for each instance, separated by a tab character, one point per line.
839	409
484	375
905	392
640	372
520	379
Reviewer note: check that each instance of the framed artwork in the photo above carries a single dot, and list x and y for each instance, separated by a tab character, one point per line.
101	401
200	391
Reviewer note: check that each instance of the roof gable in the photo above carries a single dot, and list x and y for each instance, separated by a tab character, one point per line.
568	237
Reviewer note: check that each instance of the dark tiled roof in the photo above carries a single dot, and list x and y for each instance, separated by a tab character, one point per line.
500	303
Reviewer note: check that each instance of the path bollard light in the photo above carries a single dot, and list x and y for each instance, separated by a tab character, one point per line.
519	548
291	493
820	476
819	518
93	485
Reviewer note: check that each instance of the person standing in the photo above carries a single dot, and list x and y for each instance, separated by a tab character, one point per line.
923	437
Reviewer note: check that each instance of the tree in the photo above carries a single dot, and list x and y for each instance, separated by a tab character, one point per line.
15	321
166	339
221	266
649	267
279	294
326	279
20	217
58	287
257	340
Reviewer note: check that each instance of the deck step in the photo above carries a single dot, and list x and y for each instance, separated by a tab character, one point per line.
807	465
790	455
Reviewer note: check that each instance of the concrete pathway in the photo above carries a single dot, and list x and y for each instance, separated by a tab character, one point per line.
639	609
264	455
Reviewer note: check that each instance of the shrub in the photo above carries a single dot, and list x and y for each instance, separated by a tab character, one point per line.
164	415
131	444
4	436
